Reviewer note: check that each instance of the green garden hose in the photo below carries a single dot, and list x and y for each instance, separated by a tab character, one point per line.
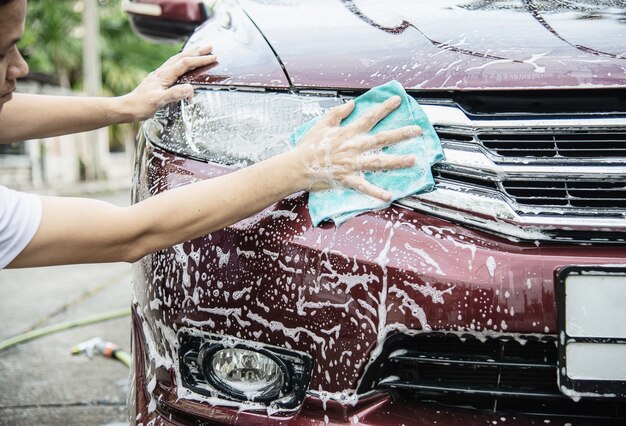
44	331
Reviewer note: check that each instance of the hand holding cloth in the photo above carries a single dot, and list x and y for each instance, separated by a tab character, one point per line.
339	204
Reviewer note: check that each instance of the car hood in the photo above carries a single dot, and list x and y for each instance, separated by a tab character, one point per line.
445	44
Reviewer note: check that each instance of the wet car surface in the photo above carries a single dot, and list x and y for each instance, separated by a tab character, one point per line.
446	307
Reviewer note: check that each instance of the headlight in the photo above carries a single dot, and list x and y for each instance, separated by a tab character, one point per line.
234	127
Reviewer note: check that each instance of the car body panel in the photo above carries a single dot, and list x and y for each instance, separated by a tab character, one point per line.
254	63
443	45
340	292
346	287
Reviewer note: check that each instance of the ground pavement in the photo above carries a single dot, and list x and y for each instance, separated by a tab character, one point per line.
41	383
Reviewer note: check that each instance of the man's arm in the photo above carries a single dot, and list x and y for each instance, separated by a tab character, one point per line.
37	116
82	231
75	230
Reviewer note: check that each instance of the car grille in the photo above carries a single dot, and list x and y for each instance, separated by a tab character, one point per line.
560	176
496	375
567	193
572	194
564	180
575	145
587	148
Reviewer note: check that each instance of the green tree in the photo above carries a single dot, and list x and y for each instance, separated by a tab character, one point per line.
52	44
126	59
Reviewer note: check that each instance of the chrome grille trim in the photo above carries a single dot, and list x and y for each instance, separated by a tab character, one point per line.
529	197
450	116
488	211
468	158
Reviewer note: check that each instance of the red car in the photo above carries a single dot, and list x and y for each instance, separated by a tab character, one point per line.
497	298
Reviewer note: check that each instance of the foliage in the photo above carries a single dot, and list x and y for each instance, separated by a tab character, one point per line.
49	42
126	58
52	44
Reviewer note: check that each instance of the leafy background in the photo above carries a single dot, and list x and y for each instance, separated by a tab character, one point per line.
52	44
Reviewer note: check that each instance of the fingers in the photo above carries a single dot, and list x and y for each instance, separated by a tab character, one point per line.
389	137
344	166
176	93
184	62
189	63
201	51
337	114
374	115
204	50
385	162
360	184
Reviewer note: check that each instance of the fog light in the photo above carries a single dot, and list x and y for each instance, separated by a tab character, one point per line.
246	370
229	368
245	374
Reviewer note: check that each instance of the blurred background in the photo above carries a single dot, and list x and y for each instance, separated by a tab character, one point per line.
79	47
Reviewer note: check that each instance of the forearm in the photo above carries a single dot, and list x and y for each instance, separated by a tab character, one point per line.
29	116
85	231
36	116
194	210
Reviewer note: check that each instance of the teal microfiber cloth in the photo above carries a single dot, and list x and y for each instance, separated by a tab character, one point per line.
339	204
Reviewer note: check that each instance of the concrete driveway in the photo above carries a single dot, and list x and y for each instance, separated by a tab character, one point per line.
41	383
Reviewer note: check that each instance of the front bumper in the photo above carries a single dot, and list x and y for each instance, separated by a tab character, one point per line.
336	294
162	407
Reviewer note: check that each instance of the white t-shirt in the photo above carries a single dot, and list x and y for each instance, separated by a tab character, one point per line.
20	215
